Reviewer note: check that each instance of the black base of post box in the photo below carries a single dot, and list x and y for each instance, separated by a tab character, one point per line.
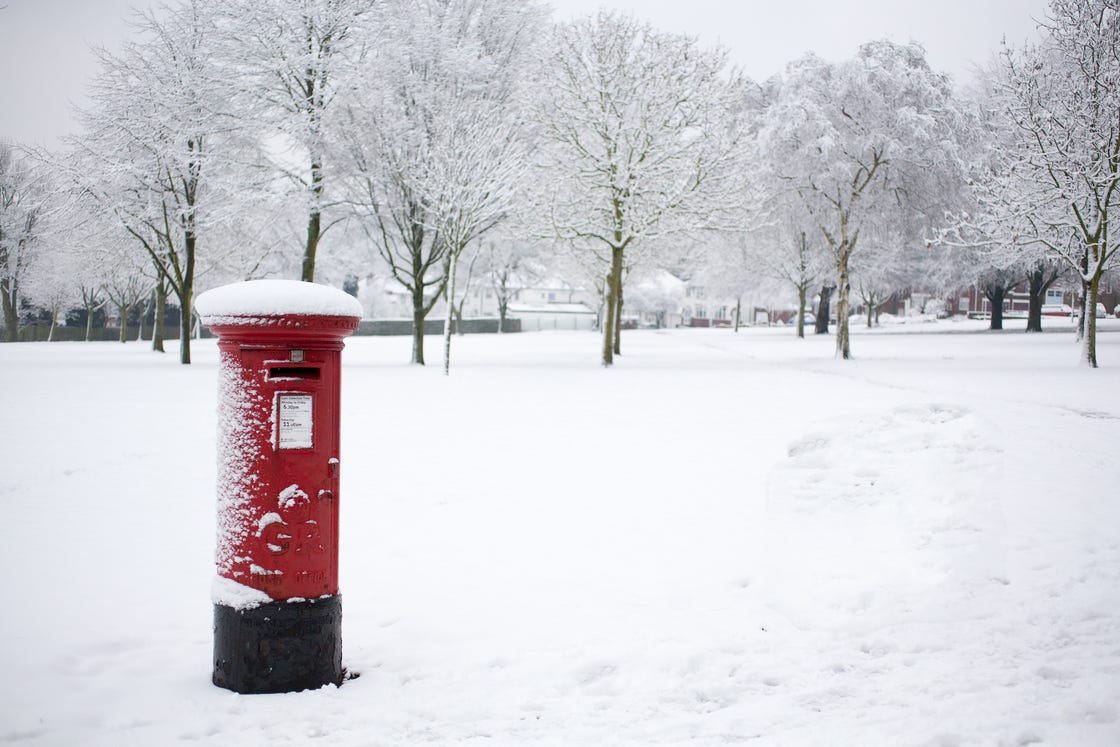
279	647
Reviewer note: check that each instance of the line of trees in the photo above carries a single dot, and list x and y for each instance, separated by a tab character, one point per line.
1043	194
235	139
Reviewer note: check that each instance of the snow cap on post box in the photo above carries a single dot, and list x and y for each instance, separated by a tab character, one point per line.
260	302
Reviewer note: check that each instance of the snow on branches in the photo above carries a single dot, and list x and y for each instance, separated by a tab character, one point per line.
641	141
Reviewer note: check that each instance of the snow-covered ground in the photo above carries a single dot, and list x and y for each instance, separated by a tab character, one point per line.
725	538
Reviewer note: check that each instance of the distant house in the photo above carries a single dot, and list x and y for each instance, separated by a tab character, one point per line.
382	297
555	290
553	316
544	305
972	302
654	301
702	308
540	305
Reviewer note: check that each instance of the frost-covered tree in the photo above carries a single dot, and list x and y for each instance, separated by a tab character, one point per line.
107	269
292	60
640	140
984	242
659	293
388	155
93	299
870	135
155	143
1041	274
1058	174
51	284
725	266
786	248
995	283
475	175
127	284
24	202
880	271
509	264
458	293
434	137
37	217
63	270
801	266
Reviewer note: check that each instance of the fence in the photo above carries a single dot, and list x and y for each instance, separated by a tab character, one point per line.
40	332
369	327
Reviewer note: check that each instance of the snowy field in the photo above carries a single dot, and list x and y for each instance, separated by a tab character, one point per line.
726	538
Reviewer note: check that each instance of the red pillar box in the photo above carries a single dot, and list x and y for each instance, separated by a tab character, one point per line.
277	611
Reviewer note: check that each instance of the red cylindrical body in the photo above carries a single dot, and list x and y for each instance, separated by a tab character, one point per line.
278	452
277	610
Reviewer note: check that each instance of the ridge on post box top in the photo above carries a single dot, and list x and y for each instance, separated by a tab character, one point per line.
278	433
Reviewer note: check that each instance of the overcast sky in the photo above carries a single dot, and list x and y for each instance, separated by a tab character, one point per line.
45	60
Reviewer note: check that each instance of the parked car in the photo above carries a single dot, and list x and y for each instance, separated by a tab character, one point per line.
810	320
1101	313
1057	309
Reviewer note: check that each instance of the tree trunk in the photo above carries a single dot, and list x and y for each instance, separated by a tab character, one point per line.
459	312
608	323
185	301
824	308
453	267
1040	281
1084	294
738	313
844	288
802	292
144	315
1083	326
501	317
160	317
871	313
89	322
11	310
1089	322
314	223
186	296
1034	299
1034	317
54	323
995	300
618	320
614	281
418	314
124	310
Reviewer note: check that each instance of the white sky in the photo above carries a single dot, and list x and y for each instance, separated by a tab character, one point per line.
45	60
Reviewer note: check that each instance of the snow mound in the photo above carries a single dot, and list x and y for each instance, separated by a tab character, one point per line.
229	593
870	520
254	298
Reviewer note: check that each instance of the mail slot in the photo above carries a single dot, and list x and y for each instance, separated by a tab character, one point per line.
277	610
287	372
